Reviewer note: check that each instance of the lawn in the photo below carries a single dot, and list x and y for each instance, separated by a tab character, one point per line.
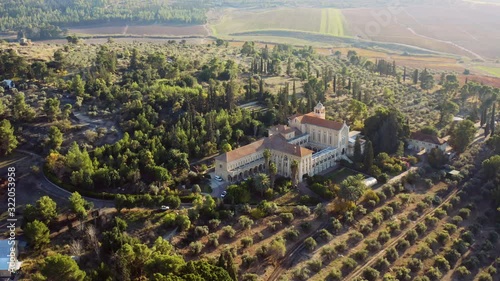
339	175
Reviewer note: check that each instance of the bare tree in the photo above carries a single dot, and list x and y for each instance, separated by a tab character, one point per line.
76	248
92	240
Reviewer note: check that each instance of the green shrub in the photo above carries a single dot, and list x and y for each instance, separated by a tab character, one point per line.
341	247
441	263
456	220
382	264
442	237
370	274
450	228
433	273
415	265
372	245
195	248
360	255
348	264
424	252
327	252
366	228
213	240
462	271
420	228
325	235
411	236
287	218
355	237
402	245
391	254
246	242
315	265
334	275
440	213
383	236
228	231
464	213
302	211
310	243
291	233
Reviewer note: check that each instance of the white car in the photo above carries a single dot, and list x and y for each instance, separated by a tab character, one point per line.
164	208
223	194
217	178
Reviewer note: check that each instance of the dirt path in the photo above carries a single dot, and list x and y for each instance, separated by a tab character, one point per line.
289	259
395	240
447	42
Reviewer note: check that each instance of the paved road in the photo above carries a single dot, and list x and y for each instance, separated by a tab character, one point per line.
53	190
398	177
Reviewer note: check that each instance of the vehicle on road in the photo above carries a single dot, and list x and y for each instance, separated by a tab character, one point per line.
218	178
223	194
164	208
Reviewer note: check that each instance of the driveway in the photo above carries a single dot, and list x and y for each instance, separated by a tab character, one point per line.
217	186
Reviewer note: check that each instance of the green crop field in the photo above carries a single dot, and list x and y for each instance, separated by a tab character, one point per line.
332	22
490	70
323	21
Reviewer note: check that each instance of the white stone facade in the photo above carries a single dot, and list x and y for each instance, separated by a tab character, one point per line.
311	140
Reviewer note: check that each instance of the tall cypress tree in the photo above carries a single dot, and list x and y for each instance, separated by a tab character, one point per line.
492	122
261	88
358	156
368	157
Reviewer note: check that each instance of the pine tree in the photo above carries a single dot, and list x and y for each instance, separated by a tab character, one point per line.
134	59
8	141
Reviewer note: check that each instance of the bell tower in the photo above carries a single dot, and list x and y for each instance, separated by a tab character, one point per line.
319	110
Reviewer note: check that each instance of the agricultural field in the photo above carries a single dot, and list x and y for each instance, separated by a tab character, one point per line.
442	28
492	70
324	21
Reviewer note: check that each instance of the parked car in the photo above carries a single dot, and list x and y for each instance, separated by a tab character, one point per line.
217	178
223	194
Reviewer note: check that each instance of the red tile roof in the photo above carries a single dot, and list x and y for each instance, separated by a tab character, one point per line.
275	142
312	119
427	138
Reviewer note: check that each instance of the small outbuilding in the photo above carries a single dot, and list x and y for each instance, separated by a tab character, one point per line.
8	84
371	181
421	141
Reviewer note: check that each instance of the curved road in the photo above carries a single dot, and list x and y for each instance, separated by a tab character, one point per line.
53	190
